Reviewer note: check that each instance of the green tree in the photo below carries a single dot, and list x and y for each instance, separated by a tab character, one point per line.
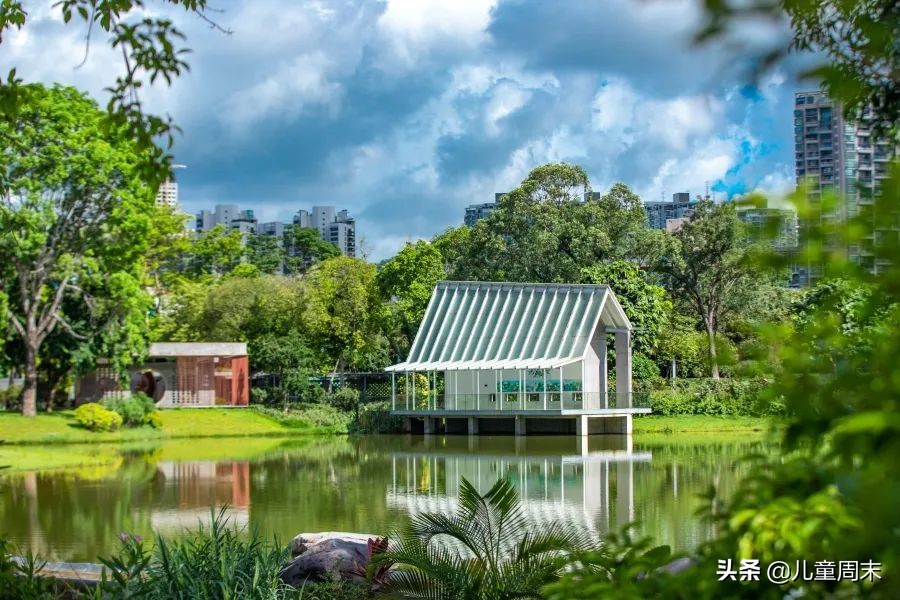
453	244
680	341
645	304
265	252
75	220
288	359
342	314
215	252
303	247
706	263
406	282
150	49
546	231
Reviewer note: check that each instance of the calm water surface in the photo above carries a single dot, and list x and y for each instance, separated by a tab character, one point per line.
370	484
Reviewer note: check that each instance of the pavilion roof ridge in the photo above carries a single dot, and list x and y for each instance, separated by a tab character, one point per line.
492	324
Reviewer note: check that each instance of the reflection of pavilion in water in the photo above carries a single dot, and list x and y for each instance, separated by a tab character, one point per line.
197	487
583	480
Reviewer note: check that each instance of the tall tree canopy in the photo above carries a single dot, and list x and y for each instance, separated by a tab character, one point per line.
342	314
705	264
551	227
406	282
76	220
645	304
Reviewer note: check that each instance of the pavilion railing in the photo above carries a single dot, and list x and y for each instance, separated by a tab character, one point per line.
517	401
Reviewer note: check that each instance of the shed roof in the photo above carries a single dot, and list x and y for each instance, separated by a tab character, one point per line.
164	349
483	325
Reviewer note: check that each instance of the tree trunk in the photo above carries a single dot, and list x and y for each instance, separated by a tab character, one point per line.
713	360
29	391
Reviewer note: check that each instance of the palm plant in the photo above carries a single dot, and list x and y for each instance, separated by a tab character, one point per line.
487	550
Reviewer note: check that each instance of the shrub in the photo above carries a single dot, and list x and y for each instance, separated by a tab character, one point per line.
377	418
313	394
219	561
153	419
21	579
487	549
345	399
726	397
644	371
259	395
96	417
11	398
136	410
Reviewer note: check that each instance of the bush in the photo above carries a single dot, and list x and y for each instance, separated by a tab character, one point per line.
345	399
11	398
377	418
259	395
22	579
309	416
726	397
95	417
136	410
313	394
644	372
218	561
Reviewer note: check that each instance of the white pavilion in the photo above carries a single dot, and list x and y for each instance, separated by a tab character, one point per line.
530	358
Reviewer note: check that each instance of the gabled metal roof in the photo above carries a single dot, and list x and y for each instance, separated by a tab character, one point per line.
483	325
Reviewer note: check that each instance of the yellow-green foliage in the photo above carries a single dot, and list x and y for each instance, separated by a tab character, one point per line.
95	417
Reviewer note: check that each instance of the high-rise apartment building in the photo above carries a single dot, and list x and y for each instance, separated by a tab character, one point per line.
167	195
832	152
228	215
680	207
760	220
273	229
477	212
337	227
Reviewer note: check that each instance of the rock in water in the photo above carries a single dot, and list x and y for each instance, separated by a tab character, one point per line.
331	555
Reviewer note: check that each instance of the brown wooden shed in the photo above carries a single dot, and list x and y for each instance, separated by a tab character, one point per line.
179	374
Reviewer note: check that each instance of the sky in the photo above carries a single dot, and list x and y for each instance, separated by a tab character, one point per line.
406	111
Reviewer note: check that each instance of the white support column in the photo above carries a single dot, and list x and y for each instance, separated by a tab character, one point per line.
604	374
473	425
562	403
521	389
428	425
455	389
414	388
393	391
520	425
581	425
544	373
478	390
623	369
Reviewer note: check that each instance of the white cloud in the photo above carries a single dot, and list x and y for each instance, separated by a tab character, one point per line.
412	28
292	88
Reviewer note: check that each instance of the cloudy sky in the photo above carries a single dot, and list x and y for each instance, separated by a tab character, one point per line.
405	111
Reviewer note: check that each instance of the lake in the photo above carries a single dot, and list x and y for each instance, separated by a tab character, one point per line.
371	484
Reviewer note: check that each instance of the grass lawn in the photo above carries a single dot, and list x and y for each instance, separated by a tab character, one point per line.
177	423
701	424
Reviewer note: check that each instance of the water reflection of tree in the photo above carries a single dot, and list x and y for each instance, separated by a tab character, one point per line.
667	505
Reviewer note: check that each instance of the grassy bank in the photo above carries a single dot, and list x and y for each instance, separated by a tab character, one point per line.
176	423
701	424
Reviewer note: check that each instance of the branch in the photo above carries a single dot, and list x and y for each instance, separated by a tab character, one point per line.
68	328
49	313
20	329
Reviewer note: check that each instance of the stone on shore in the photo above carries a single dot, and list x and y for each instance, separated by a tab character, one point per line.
331	555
